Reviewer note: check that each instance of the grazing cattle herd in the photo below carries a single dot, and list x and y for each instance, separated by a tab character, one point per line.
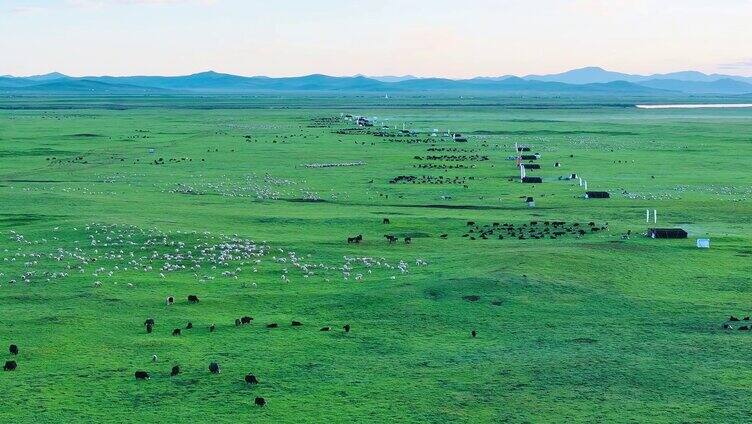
733	319
532	230
214	367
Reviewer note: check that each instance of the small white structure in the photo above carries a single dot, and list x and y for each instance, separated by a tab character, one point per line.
703	243
152	151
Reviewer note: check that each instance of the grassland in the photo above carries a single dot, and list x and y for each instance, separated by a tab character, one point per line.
591	329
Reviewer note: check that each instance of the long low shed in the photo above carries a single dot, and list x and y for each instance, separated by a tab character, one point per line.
667	233
597	195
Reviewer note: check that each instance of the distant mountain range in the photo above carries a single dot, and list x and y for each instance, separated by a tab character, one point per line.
591	80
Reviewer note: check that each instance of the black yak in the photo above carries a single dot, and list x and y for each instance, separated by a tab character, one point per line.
346	328
142	375
175	370
251	379
192	298
214	368
296	323
13	349
176	332
260	401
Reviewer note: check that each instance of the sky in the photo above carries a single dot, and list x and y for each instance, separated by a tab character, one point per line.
447	38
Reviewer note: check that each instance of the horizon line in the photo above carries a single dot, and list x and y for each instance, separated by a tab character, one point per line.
360	74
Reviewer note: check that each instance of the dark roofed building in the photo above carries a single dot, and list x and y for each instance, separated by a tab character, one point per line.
597	195
667	233
530	157
532	180
531	165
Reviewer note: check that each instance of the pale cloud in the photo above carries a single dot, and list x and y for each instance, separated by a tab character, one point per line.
28	10
743	64
102	3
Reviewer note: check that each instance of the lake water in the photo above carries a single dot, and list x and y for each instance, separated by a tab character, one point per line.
697	106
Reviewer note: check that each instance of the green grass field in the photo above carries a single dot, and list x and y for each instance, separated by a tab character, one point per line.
597	328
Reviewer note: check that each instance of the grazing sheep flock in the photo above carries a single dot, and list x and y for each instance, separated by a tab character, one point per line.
296	261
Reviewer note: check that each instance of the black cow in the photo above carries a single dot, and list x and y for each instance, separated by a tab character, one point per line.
444	236
237	322
192	298
176	332
149	321
470	223
272	325
13	349
149	328
246	320
189	325
356	239
170	300
733	318
390	238
214	368
175	370
408	240
325	328
260	401
386	221
296	323
10	366
251	379
473	333
346	328
211	328
142	375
